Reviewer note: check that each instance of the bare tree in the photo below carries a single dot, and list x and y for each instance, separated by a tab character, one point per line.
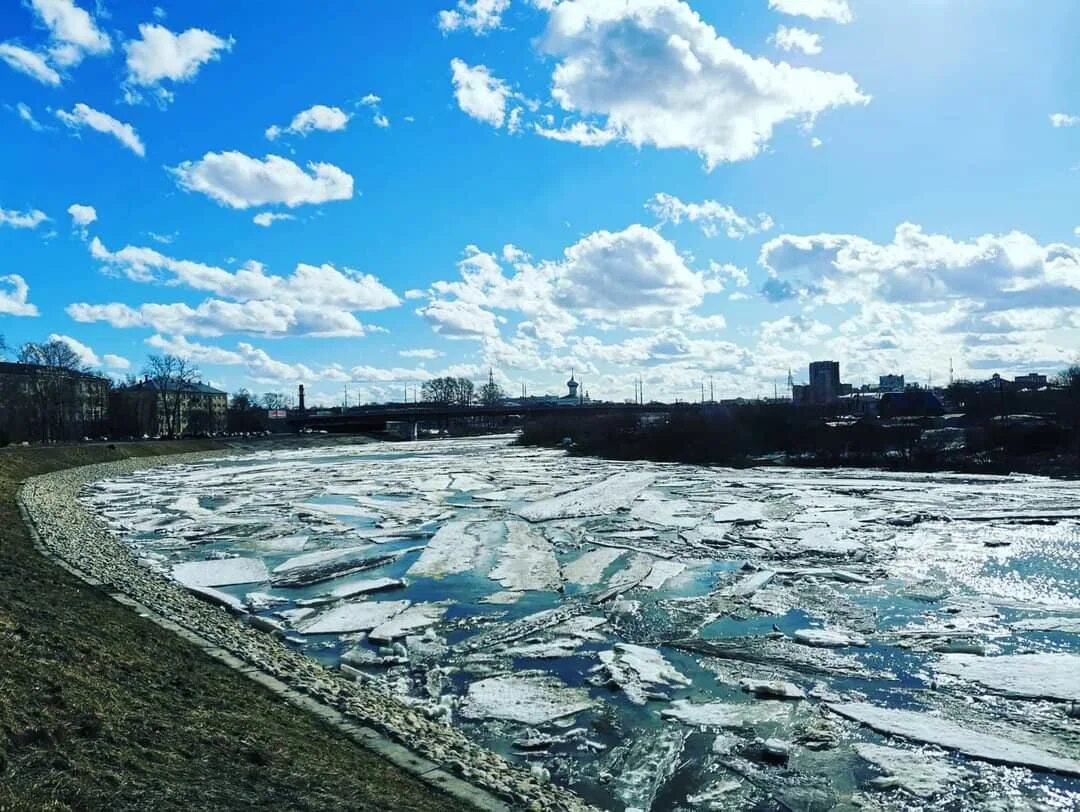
273	400
51	386
172	376
491	394
448	391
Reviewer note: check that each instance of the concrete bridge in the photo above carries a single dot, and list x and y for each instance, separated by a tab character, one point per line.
375	418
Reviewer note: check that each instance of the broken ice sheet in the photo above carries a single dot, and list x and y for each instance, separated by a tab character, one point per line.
526	561
221	572
1037	676
529	700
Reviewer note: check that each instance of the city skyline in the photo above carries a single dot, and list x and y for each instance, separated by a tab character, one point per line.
678	192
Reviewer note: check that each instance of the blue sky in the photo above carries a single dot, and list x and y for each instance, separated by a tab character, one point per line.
682	192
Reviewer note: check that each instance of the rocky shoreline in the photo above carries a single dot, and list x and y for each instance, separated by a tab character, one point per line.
76	536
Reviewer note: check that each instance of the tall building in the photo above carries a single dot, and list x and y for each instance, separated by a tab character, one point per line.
175	409
891	383
571	386
50	403
824	382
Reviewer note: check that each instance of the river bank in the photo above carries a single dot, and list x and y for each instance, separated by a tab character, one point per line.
104	709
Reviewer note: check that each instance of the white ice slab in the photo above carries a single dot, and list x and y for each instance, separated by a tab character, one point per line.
598	499
1065	625
588	568
827	638
526	561
915	772
357	616
417	616
529	700
451	550
661	572
727	714
1042	676
925	727
367	585
318	557
221	572
752	583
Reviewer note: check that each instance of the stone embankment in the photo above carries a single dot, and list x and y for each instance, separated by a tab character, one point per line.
67	530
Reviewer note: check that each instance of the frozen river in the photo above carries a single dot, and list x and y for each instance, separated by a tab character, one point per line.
663	636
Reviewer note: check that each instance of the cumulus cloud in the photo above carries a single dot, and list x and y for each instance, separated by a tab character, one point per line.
14	296
997	271
316	117
836	10
159	55
239	181
710	215
478	93
29	62
83	115
90	358
796	39
82	216
655	73
268	218
316	300
1064	120
420	353
22	219
72	31
479	16
459	319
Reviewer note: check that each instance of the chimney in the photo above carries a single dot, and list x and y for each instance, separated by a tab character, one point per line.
302	398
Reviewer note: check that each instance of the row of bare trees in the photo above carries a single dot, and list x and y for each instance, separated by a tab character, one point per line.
451	391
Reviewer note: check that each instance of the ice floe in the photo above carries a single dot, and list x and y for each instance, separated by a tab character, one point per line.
221	572
529	700
598	499
1040	676
353	617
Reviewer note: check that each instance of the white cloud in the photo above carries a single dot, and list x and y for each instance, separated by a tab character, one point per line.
1064	120
22	219
82	216
479	16
709	214
370	100
85	116
997	271
317	300
459	319
836	10
28	62
90	358
419	353
72	31
316	117
268	218
478	93
796	39
14	294
160	55
580	133
655	73
379	120
239	181
27	115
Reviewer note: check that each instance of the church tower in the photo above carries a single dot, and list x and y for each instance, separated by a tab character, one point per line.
572	386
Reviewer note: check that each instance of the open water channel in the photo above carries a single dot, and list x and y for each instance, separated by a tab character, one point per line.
660	636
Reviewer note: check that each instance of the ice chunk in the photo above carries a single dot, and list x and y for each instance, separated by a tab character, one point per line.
313	568
925	727
221	572
553	649
319	557
727	714
529	700
627	578
598	499
526	561
452	549
647	765
588	569
353	617
751	584
285	544
1040	676
827	638
415	617
661	572
365	586
217	597
739	512
634	668
914	772
773	690
502	598
1066	625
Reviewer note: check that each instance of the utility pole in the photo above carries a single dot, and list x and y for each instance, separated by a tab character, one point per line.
712	391
703	392
950	371
346	396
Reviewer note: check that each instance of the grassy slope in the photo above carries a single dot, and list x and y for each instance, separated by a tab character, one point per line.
100	708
